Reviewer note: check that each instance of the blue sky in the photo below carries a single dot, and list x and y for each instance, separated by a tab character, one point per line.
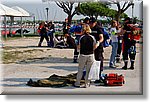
37	7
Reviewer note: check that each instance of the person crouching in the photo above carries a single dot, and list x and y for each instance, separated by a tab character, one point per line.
87	44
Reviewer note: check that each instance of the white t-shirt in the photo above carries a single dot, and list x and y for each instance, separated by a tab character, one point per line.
113	32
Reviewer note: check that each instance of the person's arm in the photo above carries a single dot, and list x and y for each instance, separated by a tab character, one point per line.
101	38
96	44
121	32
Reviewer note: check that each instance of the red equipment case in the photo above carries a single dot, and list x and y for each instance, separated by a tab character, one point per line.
113	79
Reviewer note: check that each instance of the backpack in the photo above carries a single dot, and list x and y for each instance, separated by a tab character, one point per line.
72	29
135	32
39	29
78	28
106	37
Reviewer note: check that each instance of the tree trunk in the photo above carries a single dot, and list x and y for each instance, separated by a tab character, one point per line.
118	16
69	19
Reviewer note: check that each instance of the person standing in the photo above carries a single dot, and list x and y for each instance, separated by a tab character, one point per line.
98	35
86	57
66	27
129	47
43	33
71	44
78	34
51	30
120	38
114	43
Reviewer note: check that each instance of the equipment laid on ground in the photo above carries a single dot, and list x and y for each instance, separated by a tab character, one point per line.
113	79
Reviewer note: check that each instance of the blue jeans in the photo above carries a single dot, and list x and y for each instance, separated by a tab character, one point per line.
113	53
51	35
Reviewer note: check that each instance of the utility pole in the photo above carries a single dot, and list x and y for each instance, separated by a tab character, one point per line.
47	12
132	10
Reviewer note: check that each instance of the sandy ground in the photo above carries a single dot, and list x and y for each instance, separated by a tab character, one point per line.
41	62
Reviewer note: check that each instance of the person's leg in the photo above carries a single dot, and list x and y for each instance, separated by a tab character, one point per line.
113	54
76	52
47	39
119	50
90	61
82	62
52	39
125	55
75	55
115	51
41	40
132	55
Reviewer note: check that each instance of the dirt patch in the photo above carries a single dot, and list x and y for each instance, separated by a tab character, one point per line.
14	56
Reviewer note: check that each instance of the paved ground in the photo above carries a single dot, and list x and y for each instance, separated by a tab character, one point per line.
59	61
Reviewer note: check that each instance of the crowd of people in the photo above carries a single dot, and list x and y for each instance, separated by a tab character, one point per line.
88	43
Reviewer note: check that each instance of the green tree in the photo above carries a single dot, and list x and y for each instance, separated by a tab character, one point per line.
121	8
93	9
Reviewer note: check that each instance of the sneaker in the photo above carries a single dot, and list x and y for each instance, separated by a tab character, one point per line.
87	85
125	68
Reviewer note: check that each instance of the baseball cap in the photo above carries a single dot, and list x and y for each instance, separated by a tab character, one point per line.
92	20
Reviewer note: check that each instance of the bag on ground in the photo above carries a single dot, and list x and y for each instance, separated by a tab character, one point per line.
94	71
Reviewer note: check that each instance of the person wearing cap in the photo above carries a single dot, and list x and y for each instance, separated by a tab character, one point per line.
128	45
98	34
86	20
86	57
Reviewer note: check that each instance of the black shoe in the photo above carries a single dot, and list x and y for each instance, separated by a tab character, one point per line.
125	68
132	68
75	61
112	66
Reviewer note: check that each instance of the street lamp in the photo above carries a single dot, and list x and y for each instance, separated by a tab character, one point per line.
47	12
132	10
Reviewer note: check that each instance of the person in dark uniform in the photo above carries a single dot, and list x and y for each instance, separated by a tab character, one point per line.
66	27
51	31
43	33
129	47
98	34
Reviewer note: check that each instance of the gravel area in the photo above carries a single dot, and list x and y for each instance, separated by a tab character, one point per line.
41	62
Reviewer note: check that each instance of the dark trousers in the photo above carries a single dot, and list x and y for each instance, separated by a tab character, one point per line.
119	46
99	57
51	35
76	53
129	50
42	38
